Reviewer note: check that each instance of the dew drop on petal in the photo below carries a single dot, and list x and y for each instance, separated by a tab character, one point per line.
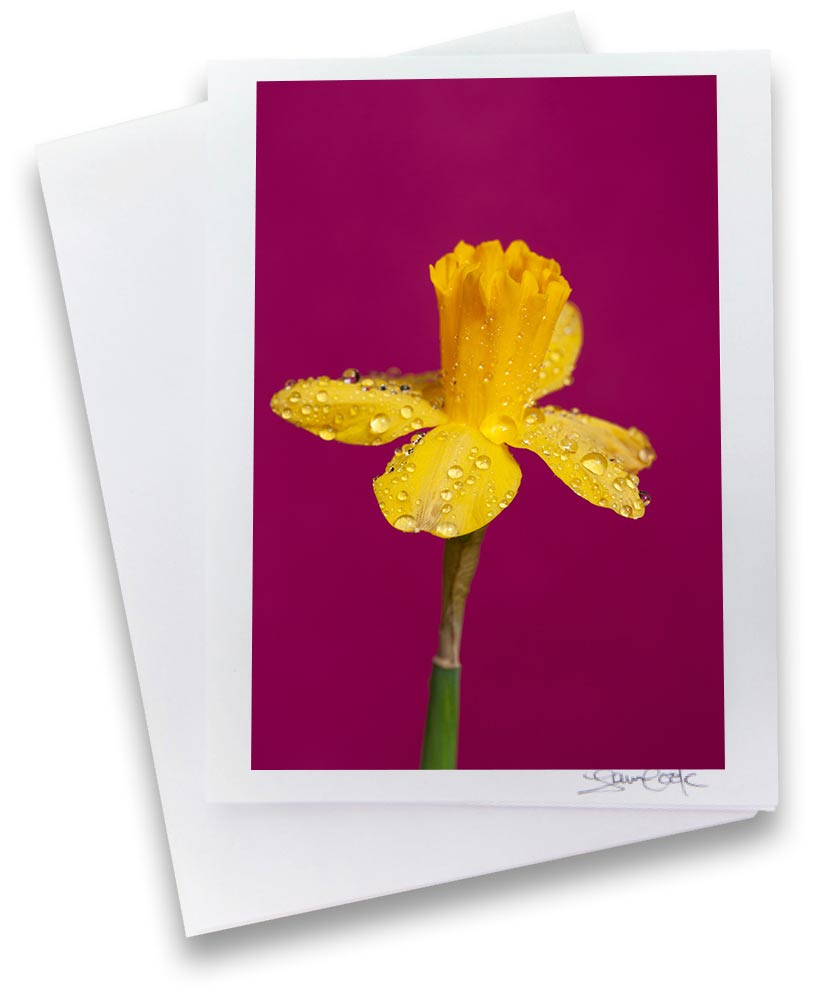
306	410
406	412
596	463
379	423
483	462
351	376
327	433
406	524
646	498
290	383
402	496
446	494
447	529
321	397
455	471
286	413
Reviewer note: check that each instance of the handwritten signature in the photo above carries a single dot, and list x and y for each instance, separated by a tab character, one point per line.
653	780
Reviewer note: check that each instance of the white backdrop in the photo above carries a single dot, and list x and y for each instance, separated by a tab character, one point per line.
86	878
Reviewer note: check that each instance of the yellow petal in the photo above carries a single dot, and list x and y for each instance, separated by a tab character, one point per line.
449	482
429	385
364	410
597	459
563	352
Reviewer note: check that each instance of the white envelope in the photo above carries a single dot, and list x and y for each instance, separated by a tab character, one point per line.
127	209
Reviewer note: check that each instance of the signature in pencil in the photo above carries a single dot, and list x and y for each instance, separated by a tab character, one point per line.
652	780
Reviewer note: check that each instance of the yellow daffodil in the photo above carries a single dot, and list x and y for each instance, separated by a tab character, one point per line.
508	337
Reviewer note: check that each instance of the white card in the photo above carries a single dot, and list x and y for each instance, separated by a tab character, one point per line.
127	210
737	123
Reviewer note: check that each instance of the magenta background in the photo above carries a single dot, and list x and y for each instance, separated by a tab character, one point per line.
590	641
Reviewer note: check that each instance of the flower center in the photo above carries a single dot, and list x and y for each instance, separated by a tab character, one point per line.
499	429
497	312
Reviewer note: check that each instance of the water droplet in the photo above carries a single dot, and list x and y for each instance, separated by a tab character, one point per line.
294	398
569	443
406	524
446	494
327	433
499	429
404	387
406	412
455	471
645	497
306	410
321	397
379	423
626	511
470	480
646	455
446	509
351	376
447	529
368	382
596	463
483	462
531	418
286	413
402	496
290	383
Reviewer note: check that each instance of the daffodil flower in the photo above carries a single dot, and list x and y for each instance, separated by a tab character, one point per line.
508	337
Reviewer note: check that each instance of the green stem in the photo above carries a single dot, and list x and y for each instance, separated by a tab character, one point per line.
460	558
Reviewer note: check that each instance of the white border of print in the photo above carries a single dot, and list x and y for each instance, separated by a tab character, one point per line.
750	777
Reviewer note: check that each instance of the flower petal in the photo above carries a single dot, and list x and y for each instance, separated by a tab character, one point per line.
597	459
449	482
364	410
429	385
563	352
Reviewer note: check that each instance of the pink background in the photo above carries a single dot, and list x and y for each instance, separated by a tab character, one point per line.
590	641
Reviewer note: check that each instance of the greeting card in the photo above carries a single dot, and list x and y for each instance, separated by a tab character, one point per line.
483	521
